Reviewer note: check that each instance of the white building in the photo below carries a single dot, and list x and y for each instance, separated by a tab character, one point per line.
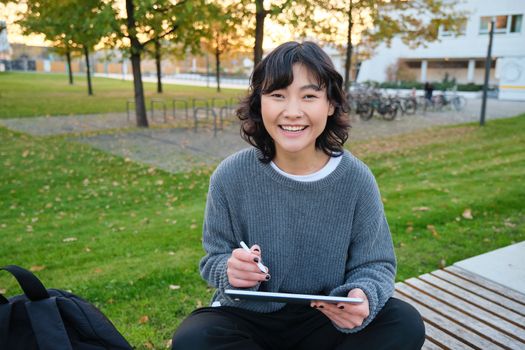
5	48
463	56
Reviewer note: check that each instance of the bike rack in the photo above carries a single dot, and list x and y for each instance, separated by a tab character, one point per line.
222	112
128	103
233	102
185	103
207	110
206	104
152	105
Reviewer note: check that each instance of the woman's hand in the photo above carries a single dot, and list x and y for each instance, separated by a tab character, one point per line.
242	268
346	315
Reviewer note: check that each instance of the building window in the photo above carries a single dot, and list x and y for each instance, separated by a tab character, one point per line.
515	23
447	32
502	25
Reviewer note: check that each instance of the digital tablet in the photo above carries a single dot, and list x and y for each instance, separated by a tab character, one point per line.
238	295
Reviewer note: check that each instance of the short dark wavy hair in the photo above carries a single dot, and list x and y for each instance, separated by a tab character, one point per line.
275	72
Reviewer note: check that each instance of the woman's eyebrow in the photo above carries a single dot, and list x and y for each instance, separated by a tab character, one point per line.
311	86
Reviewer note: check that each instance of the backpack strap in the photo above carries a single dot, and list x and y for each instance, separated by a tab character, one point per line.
5	317
30	284
47	325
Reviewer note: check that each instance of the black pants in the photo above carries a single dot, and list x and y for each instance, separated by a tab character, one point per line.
397	326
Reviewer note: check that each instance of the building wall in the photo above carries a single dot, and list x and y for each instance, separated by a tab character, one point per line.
472	45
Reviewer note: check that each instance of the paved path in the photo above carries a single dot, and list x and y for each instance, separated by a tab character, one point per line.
179	149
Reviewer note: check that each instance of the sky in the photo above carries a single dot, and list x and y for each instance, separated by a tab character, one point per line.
8	14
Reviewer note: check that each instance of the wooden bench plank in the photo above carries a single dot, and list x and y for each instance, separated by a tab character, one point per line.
483	336
454	336
435	335
503	312
428	345
493	320
495	287
487	294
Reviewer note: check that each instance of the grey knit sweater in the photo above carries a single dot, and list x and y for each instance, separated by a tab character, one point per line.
322	237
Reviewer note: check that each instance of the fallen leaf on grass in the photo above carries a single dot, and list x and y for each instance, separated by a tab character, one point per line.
69	239
421	209
3	291
25	153
467	214
149	345
36	268
174	287
433	230
168	344
144	319
509	224
442	263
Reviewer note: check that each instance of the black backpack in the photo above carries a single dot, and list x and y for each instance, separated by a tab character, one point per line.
52	319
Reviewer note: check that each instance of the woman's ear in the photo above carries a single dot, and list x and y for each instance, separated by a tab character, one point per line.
331	110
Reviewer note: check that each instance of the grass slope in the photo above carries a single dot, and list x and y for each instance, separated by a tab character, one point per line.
127	237
33	94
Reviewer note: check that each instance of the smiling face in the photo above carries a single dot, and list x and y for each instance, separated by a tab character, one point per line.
296	115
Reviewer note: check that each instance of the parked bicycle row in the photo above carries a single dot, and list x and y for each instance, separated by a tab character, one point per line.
366	102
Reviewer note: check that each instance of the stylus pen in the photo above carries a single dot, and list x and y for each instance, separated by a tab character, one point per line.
259	264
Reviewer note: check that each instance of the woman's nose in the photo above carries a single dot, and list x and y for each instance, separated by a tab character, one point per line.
293	110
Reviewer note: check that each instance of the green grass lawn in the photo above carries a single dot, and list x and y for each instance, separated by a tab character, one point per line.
127	237
34	94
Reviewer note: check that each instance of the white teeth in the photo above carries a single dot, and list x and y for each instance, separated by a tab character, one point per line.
293	128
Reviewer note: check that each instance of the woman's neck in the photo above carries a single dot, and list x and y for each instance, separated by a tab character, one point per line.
296	164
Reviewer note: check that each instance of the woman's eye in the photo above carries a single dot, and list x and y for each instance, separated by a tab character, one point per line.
309	97
276	95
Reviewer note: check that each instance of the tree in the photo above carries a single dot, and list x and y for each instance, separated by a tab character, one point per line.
368	23
70	25
45	17
415	22
89	21
254	14
223	33
148	22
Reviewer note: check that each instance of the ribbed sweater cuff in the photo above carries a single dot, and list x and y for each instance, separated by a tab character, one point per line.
374	304
224	283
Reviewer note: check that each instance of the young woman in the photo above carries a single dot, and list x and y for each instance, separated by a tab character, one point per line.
312	214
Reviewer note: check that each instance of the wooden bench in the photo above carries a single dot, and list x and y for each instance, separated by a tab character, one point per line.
463	310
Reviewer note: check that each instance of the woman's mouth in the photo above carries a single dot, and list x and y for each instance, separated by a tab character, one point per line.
293	128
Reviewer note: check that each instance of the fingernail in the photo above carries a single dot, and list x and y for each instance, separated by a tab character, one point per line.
256	260
321	306
341	307
268	277
257	250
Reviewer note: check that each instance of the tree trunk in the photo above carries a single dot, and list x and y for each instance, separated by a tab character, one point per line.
260	15
88	71
157	62
218	68
349	47
69	69
136	49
